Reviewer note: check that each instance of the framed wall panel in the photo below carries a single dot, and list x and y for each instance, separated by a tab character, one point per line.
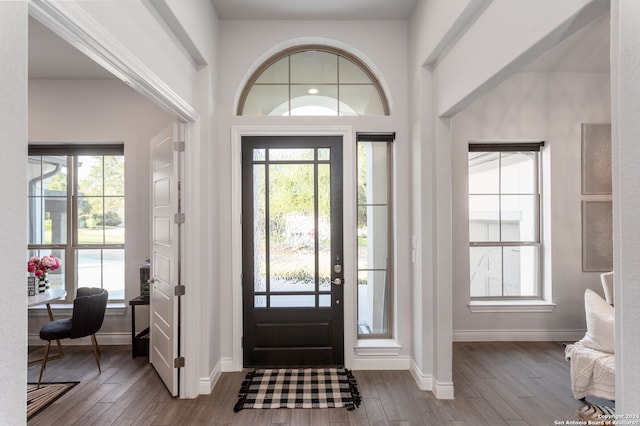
596	159
597	236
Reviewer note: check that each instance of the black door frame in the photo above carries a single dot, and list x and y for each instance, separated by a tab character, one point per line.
279	318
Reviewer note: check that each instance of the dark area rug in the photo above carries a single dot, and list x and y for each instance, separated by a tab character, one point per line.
299	388
40	398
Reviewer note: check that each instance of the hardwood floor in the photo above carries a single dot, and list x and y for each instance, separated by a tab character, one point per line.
502	383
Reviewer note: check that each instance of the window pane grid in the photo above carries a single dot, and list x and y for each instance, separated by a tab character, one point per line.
374	223
504	228
90	239
504	271
291	254
315	80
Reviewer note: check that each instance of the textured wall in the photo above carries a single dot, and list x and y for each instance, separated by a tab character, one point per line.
625	92
13	226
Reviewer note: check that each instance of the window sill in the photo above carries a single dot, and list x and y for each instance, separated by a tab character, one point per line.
515	306
377	347
62	309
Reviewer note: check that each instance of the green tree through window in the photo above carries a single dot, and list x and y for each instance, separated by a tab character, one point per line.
85	231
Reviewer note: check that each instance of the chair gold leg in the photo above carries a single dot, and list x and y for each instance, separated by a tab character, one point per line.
60	353
96	351
44	362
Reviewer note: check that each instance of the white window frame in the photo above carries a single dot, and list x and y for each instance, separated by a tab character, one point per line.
340	53
533	303
71	245
382	138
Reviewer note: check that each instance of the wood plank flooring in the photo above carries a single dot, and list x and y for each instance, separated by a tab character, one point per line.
501	383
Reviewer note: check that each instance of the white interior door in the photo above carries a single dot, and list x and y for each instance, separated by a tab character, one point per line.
165	255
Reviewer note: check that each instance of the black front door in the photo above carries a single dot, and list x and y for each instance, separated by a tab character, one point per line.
292	250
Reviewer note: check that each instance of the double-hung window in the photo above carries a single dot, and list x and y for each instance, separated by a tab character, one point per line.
504	220
375	235
76	212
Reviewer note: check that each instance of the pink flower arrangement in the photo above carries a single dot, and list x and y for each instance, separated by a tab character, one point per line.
41	266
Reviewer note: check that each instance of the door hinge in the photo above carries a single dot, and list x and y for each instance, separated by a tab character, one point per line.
178	362
178	218
178	146
178	290
242	342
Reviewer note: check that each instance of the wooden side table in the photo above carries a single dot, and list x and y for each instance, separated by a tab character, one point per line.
139	341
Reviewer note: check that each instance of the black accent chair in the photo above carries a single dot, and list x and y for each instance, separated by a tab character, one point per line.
89	307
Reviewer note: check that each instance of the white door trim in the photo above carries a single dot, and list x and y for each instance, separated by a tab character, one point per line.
349	223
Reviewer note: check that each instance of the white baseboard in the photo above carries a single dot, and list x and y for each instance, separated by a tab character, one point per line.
517	335
206	384
381	363
426	382
121	338
226	364
443	390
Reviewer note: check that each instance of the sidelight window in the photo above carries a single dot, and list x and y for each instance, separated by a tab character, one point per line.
375	235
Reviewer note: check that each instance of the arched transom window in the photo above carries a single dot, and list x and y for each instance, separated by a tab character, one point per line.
313	80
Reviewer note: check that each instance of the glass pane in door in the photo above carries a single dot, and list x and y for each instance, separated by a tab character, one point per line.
259	231
324	227
292	255
292	263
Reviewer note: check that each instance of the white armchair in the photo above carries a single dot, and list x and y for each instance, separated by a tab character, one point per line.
592	358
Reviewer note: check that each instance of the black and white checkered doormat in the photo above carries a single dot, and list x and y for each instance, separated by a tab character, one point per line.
299	388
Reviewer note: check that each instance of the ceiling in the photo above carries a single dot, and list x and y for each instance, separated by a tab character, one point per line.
587	50
51	57
332	10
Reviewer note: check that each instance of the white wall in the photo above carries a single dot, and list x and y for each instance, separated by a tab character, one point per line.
625	92
86	111
244	45
533	106
431	29
445	19
13	226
